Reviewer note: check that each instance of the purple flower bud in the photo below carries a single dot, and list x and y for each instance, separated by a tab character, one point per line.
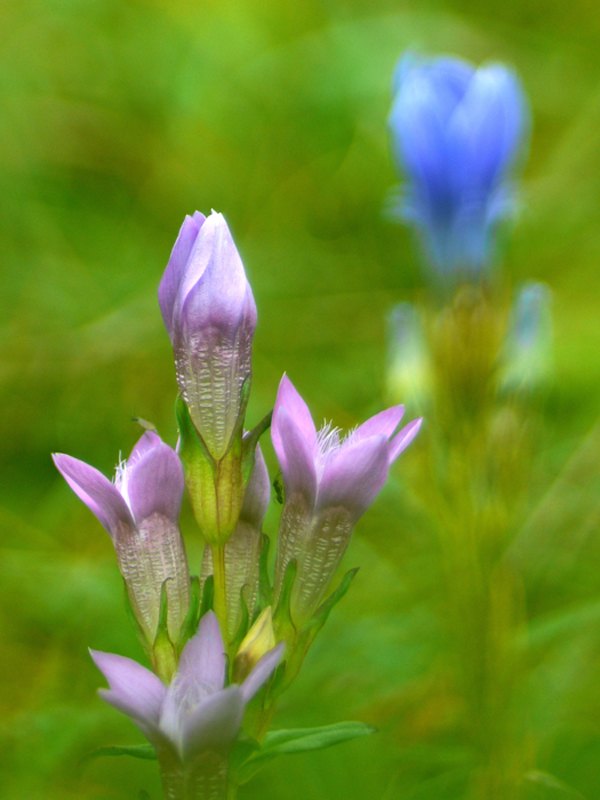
329	483
210	315
141	512
242	549
193	722
457	132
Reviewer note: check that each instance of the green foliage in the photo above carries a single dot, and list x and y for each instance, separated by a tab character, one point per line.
119	117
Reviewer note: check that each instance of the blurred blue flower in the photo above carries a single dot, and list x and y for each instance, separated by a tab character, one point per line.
457	134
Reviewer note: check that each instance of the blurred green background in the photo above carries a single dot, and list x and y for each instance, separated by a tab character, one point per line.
118	117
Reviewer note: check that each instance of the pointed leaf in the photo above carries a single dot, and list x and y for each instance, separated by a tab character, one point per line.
145	751
301	740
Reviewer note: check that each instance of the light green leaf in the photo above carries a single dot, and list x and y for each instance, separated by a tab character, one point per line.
300	740
145	751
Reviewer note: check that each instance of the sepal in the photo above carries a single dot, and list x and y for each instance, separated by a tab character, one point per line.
282	618
265	590
190	623
249	442
163	657
208	596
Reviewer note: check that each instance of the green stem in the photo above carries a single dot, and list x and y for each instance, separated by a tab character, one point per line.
218	554
232	790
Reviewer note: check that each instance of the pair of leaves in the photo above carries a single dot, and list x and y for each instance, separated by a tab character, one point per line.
249	757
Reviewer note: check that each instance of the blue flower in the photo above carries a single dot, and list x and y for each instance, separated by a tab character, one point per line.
457	134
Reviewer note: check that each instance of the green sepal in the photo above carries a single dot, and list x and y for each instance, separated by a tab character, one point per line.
324	610
265	590
282	618
279	489
244	623
190	442
301	740
249	442
145	751
164	656
190	623
143	795
162	630
135	624
208	596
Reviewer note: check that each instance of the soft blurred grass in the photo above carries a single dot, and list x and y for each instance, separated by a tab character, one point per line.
117	119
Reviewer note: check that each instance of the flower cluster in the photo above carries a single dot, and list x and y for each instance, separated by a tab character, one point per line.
191	705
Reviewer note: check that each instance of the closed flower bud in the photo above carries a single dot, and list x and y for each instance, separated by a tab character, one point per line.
210	316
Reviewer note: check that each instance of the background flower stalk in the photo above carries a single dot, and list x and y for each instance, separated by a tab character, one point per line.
457	134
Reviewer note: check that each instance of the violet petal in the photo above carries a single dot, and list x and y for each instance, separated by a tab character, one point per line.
382	424
134	690
214	723
203	658
155	483
175	271
289	399
355	475
401	441
100	495
296	457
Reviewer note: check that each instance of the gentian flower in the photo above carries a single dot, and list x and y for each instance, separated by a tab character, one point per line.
329	482
242	549
210	316
193	722
140	511
457	132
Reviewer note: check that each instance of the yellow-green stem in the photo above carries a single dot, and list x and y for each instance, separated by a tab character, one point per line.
218	554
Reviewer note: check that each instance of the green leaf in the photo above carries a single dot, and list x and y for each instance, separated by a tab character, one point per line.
301	740
145	751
